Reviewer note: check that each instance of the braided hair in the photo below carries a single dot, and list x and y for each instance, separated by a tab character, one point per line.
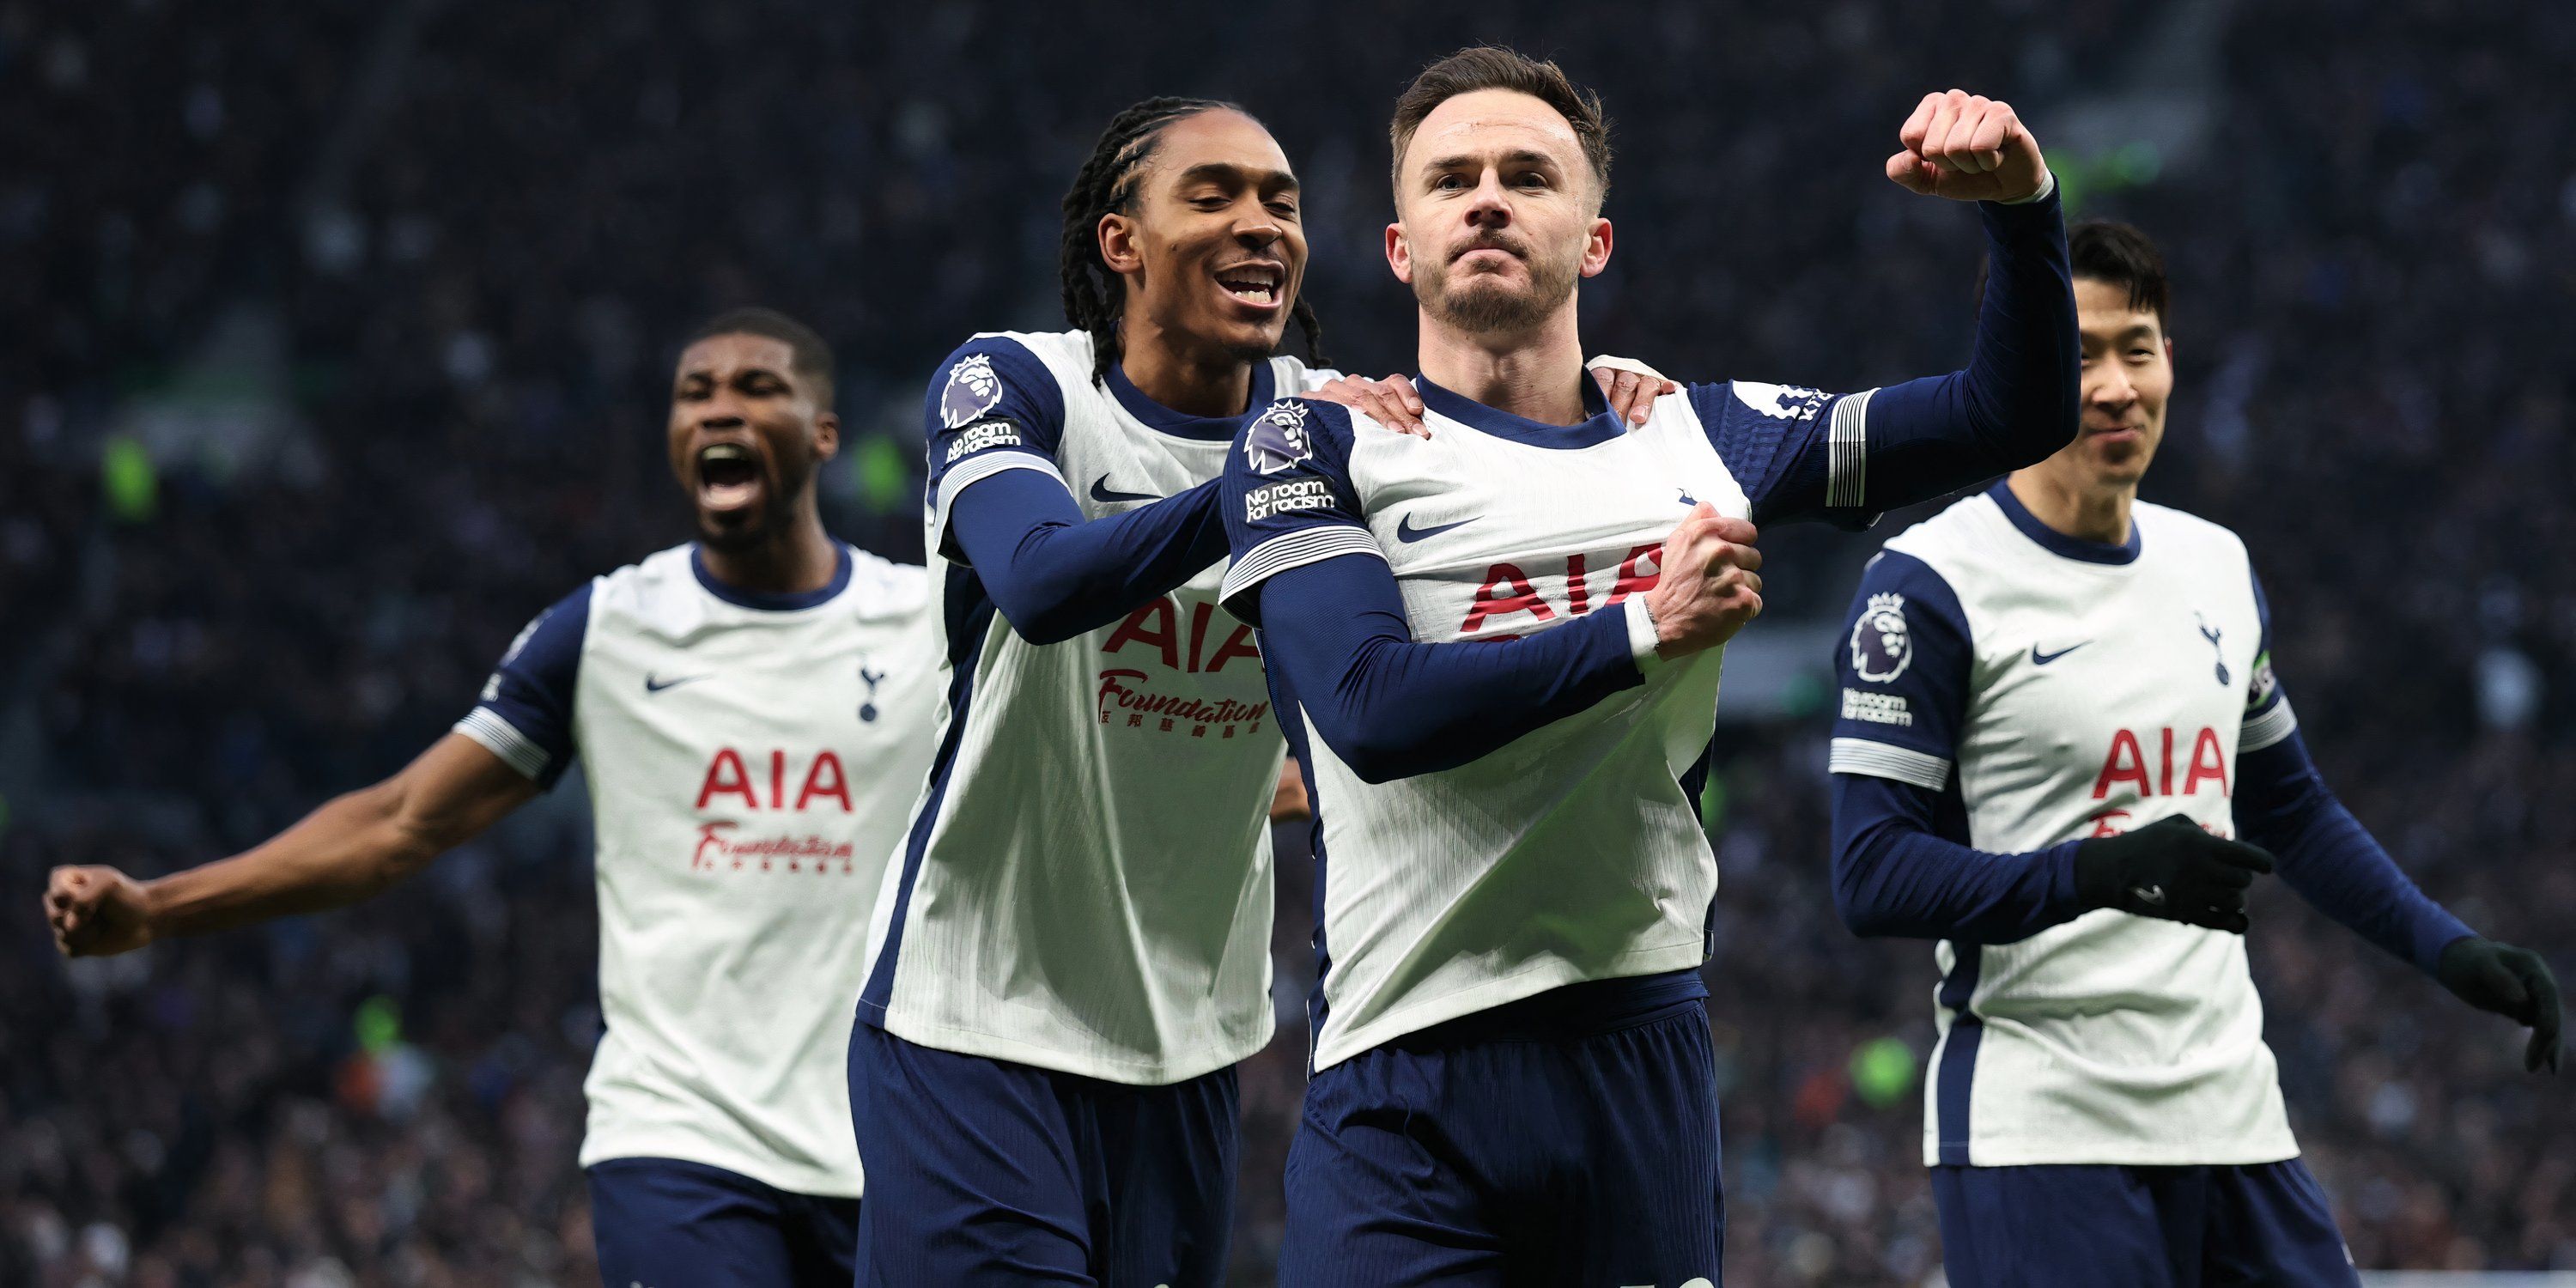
1094	297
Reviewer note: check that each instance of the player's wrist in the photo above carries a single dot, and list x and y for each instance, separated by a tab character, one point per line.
2047	186
1645	637
152	902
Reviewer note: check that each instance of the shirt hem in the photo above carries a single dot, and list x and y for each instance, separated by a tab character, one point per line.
2124	1154
963	1041
688	1147
1449	1006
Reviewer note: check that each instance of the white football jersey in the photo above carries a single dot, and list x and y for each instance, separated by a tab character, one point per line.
751	761
1086	886
2053	689
1574	852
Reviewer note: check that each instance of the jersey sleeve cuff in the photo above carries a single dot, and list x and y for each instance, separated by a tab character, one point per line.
1887	760
1641	636
1847	452
1293	550
2047	186
2267	729
976	469
503	739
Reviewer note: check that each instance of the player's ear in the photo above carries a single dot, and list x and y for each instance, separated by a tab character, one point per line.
2169	351
1399	254
827	436
1118	244
1596	247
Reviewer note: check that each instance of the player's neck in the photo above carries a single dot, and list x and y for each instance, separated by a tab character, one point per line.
1537	375
797	559
1191	381
2085	511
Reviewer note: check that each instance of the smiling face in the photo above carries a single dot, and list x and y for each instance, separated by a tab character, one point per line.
746	437
1212	249
1498	213
2128	378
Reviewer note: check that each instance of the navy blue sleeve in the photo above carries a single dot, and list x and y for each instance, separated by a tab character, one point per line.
994	419
2284	805
1903	867
1902	862
2268	718
525	713
1392	708
1309	573
1904	659
1053	575
992	407
1845	459
1286	497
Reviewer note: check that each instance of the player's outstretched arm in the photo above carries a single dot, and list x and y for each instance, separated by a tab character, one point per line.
349	849
1053	575
2342	870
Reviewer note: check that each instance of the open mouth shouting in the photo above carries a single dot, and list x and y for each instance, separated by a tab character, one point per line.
729	478
1259	283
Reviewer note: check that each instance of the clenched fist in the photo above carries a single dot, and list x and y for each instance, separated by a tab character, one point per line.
1711	583
1968	147
96	912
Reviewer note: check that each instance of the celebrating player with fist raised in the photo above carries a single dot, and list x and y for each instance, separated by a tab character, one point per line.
1513	1075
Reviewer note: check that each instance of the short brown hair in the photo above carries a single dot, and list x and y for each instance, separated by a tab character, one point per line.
1494	67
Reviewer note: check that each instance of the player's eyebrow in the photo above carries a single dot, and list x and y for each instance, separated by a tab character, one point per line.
1517	156
1229	172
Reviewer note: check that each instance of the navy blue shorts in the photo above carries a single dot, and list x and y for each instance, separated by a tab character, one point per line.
1570	1138
665	1223
2139	1227
985	1172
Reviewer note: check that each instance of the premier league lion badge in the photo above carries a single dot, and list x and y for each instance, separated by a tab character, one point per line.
1879	643
1278	440
972	390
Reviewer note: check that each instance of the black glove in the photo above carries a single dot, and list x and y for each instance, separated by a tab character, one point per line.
2512	982
2170	869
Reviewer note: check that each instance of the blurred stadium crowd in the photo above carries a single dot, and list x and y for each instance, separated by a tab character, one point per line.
337	337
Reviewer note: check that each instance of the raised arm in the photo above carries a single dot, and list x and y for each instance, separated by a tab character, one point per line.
1807	454
349	849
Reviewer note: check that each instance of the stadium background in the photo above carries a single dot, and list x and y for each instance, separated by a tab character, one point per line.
336	345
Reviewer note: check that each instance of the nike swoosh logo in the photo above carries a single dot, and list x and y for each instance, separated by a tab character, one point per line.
2038	658
1100	492
652	685
2151	895
1406	532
